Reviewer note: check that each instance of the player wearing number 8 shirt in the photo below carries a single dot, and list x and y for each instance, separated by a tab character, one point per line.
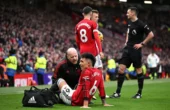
87	37
90	80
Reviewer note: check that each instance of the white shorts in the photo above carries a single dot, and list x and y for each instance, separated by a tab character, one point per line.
98	63
66	94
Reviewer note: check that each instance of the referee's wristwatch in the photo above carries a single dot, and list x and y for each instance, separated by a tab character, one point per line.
142	44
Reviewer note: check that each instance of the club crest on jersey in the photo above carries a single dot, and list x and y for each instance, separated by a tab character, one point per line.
134	32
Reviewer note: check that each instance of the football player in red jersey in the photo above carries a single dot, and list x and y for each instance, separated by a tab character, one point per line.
87	37
95	18
90	80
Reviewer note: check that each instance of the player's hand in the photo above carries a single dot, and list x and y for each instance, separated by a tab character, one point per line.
107	105
85	107
101	55
138	46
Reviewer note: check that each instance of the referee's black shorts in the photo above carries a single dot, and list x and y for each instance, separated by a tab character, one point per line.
131	55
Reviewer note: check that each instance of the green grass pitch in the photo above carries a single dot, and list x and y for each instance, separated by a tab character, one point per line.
156	96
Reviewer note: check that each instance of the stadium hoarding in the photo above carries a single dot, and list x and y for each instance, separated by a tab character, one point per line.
22	79
26	79
46	78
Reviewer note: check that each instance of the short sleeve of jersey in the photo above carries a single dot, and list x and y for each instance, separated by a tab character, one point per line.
146	28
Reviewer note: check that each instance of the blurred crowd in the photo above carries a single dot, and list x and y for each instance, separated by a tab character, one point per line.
31	30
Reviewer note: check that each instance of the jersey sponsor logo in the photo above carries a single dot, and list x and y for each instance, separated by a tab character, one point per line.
134	32
32	100
86	78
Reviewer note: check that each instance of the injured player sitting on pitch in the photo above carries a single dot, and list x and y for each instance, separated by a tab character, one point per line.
90	80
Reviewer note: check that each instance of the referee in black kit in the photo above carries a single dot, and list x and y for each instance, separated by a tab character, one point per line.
132	51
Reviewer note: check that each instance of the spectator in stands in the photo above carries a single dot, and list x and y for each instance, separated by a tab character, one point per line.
29	67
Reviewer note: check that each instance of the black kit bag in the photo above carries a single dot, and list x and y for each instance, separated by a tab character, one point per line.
39	98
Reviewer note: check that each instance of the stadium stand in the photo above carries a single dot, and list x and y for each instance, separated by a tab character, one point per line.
33	29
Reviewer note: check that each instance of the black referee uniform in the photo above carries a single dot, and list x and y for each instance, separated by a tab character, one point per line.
132	52
136	31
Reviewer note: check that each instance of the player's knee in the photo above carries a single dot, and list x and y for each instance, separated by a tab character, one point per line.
121	70
60	81
138	70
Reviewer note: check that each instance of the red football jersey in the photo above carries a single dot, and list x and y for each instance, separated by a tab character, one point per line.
85	37
90	80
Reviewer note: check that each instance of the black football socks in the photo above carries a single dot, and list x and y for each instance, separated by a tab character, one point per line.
140	78
120	81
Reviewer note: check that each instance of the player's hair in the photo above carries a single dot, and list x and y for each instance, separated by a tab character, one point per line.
90	57
134	9
87	10
95	11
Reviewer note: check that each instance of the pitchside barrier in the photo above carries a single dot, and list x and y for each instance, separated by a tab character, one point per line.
29	79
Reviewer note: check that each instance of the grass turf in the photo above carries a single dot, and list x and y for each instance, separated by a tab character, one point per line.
156	96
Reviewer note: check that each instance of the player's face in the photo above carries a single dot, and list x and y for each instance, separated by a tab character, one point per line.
84	63
95	17
73	57
130	14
